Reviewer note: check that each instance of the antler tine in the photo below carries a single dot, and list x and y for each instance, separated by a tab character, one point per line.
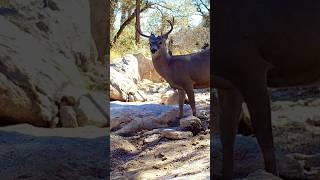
171	27
139	31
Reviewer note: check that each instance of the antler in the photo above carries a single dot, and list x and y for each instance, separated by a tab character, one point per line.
139	31
166	34
171	25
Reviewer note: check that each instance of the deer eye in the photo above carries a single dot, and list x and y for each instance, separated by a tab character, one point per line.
160	43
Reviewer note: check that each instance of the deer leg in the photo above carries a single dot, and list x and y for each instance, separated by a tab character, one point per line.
230	101
190	94
257	98
182	97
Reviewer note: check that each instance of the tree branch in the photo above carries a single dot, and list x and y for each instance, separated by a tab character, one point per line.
165	7
127	22
199	9
204	4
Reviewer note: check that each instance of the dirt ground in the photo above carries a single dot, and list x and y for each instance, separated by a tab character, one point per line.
148	155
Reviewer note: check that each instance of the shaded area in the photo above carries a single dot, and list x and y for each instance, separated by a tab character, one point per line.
46	155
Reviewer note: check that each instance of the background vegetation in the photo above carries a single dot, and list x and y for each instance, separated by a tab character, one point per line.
191	28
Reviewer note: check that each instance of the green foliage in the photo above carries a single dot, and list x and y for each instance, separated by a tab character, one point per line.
126	44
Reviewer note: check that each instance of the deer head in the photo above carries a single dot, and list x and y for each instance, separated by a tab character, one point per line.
157	42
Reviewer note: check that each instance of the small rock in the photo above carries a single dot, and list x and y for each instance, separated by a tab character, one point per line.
191	123
131	98
152	138
176	135
54	122
160	155
68	117
203	114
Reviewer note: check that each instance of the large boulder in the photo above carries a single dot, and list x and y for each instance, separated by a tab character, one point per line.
124	77
171	97
43	50
93	108
146	69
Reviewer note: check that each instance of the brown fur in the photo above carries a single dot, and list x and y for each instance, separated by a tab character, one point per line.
183	72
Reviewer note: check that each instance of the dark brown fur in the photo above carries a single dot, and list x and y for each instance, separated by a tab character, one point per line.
260	44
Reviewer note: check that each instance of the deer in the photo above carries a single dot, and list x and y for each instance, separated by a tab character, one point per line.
261	45
183	72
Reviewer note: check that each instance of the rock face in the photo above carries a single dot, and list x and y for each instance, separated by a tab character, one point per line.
43	50
146	69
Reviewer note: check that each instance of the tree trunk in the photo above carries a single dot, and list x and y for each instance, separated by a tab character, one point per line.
137	20
100	26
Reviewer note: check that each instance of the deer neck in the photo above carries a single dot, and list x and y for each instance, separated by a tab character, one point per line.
161	62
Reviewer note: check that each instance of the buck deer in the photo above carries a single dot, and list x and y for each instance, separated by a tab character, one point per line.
261	44
182	72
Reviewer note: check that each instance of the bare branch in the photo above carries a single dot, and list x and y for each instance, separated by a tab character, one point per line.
165	7
204	4
128	20
199	7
